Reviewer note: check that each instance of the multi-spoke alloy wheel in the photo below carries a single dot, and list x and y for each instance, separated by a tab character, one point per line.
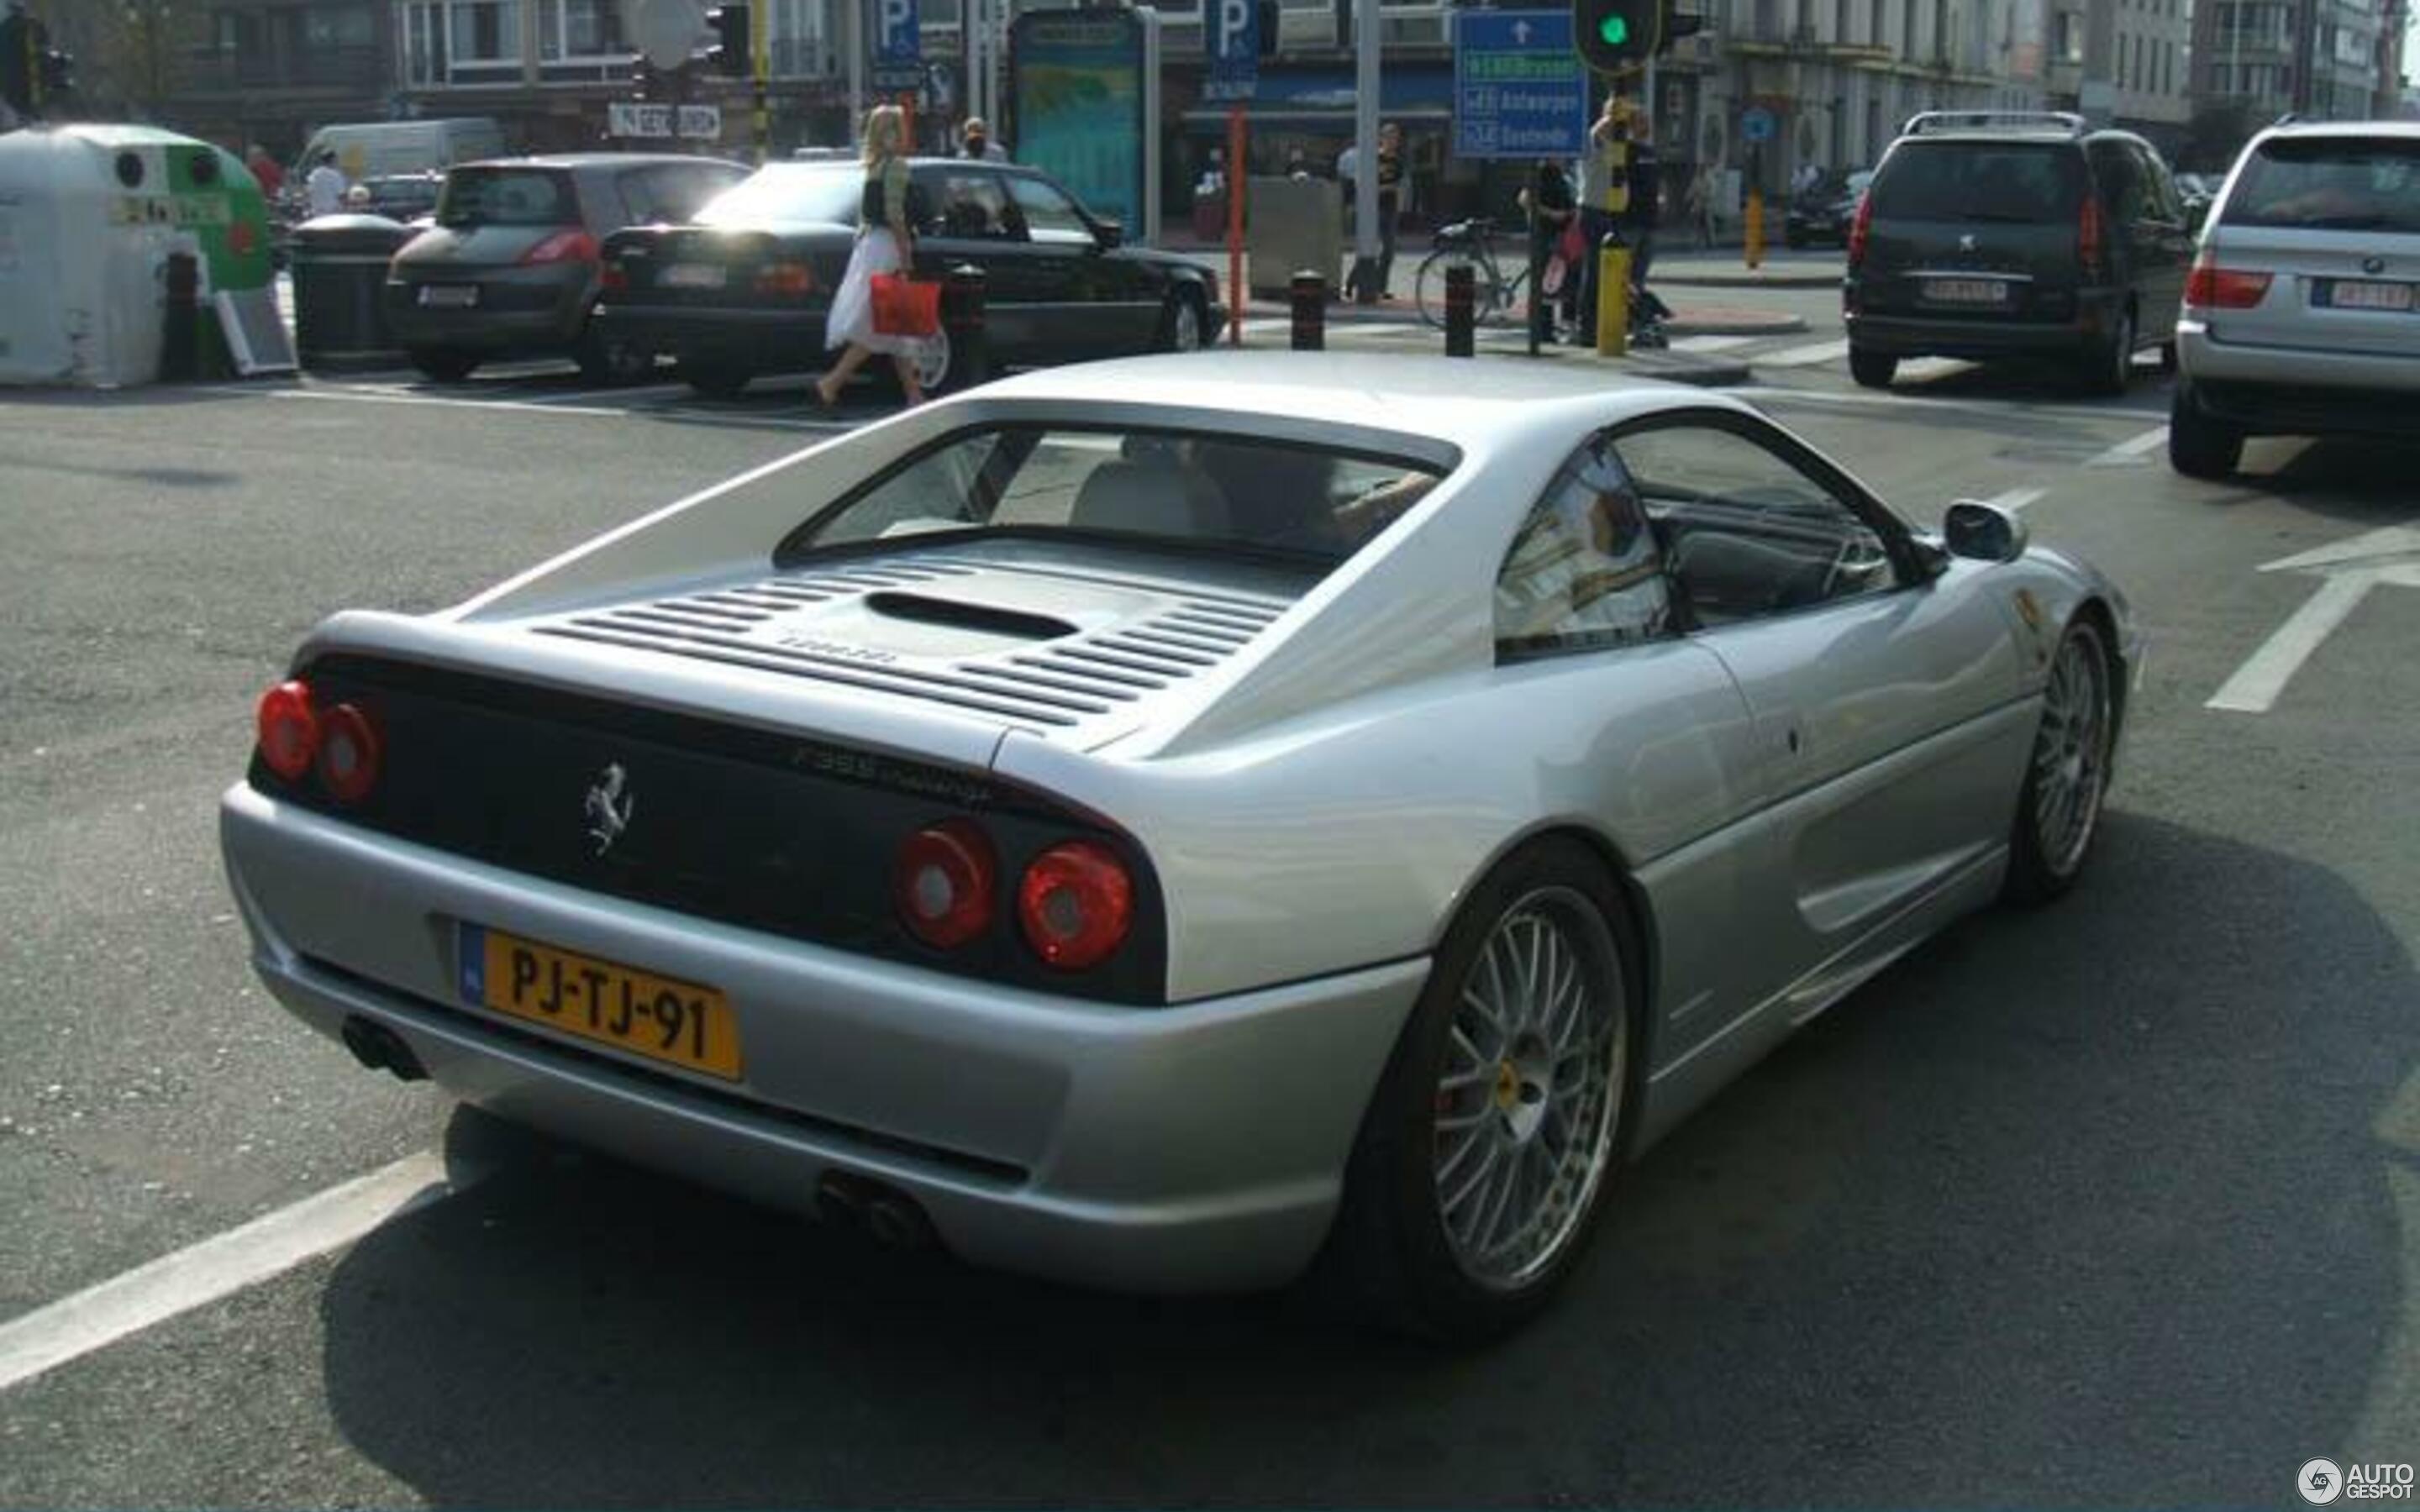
1492	1139
1526	1106
2069	775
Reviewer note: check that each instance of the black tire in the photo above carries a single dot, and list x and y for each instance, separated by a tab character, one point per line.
1873	370
2168	355
1428	289
2109	364
1391	1258
605	359
716	381
2199	446
443	365
2078	732
1185	310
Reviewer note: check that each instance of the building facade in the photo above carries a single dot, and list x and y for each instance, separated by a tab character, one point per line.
2322	59
2126	63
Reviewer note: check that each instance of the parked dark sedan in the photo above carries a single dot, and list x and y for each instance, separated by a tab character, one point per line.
511	266
1824	212
743	290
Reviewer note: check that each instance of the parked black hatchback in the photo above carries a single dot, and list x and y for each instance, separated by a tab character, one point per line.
1989	234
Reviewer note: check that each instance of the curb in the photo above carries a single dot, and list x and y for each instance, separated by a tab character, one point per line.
1681	325
1742	278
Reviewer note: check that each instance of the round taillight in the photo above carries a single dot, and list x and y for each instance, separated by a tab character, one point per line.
349	753
943	883
288	730
1075	904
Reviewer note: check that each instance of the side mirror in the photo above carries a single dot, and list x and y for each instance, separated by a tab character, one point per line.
1983	533
1109	235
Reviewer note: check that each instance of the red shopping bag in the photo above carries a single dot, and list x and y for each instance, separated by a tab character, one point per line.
905	306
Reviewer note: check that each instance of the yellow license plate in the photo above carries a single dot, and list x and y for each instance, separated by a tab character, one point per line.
679	1022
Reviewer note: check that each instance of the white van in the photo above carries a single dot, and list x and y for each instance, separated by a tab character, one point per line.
377	148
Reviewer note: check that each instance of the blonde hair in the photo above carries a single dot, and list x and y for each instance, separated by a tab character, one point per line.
886	133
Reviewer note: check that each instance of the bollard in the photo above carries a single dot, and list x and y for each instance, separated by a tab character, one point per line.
1310	294
1460	318
962	321
1612	298
180	352
1754	248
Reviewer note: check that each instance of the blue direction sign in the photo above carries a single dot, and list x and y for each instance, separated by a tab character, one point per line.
898	50
1519	89
1757	124
1231	29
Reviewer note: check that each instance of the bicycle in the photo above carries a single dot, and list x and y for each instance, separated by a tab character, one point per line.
1493	299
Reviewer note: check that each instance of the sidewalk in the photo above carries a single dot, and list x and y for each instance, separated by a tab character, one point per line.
1501	344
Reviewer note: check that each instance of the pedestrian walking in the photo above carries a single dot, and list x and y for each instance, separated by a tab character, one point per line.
1701	205
265	172
974	141
1390	202
888	210
324	186
1554	216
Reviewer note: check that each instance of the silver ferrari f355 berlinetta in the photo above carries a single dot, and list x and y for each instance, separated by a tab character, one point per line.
1183	823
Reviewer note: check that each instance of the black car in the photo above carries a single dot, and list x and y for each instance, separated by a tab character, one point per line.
1825	213
1993	234
511	268
744	289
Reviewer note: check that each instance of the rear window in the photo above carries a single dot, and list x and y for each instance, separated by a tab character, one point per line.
507	196
2015	181
2329	184
1206	489
788	192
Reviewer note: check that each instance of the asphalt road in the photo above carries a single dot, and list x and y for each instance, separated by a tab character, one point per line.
2105	1204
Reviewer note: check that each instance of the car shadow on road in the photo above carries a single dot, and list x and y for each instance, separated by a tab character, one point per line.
2079	1205
2359	481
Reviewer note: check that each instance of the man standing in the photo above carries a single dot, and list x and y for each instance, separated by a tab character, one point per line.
265	171
1605	196
1391	201
325	185
974	139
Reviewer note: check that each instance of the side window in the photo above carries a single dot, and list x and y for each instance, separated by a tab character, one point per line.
1746	530
2121	183
2160	201
974	207
1583	572
1051	216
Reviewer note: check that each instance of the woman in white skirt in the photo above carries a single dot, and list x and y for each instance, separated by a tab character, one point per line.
886	243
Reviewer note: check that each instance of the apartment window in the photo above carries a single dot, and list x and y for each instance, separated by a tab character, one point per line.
424	45
326	29
579	29
484	31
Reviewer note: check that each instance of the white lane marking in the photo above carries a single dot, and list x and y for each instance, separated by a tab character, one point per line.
2015	500
2387	541
2130	448
1925	369
218	1267
2255	684
1998	408
1805	356
387	396
633	393
1711	344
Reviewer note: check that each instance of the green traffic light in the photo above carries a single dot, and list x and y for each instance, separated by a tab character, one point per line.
1615	30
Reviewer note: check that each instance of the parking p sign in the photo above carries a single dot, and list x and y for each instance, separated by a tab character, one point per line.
898	48
1233	29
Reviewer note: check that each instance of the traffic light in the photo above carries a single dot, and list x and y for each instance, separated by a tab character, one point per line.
58	74
729	53
1616	35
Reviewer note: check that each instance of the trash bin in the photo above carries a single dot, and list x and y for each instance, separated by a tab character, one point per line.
339	265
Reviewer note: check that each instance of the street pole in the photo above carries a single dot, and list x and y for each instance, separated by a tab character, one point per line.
1365	152
761	30
853	39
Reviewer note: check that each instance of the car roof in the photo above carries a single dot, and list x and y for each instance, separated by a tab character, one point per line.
2407	131
600	160
1453	400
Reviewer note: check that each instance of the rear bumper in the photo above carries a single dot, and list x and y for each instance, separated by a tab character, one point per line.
536	317
762	341
1184	1148
1900	336
2295	391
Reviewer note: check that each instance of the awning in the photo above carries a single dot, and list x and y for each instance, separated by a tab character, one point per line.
1323	99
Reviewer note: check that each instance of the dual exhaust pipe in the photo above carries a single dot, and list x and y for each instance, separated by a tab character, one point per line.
883	1212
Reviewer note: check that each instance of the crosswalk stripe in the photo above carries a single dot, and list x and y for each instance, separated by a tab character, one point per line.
1806	356
1711	343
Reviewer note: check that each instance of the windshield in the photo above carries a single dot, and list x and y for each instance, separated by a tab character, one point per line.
1191	488
2329	183
2015	181
787	192
506	197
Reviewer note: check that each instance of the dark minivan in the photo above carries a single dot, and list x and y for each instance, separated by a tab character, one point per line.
1998	234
